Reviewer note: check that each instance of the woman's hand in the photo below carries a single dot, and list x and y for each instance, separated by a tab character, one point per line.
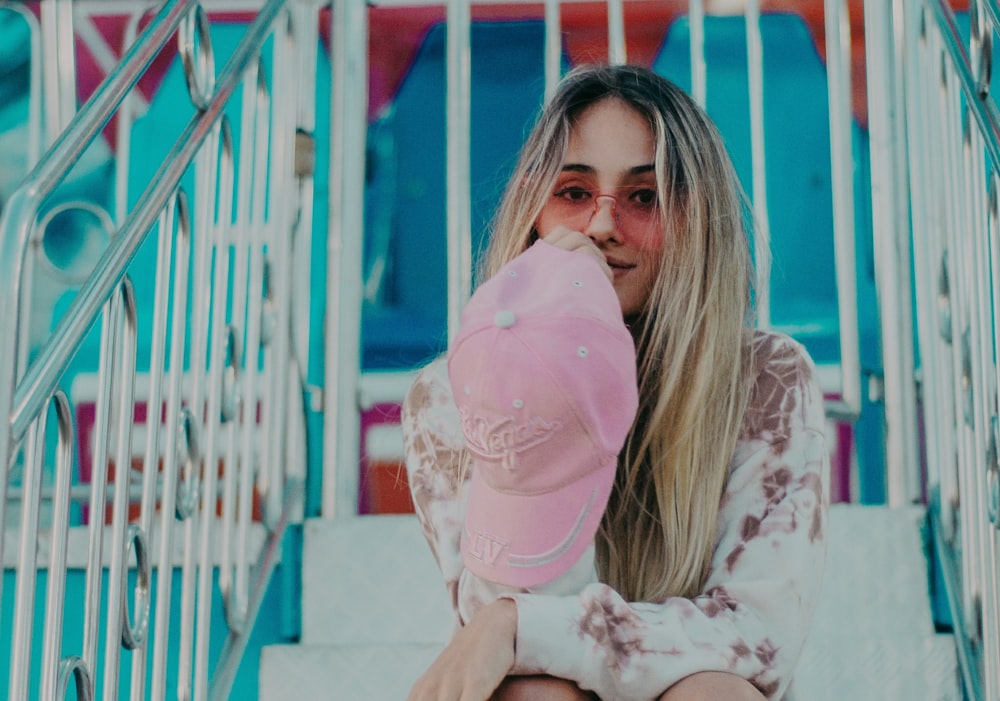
477	659
569	240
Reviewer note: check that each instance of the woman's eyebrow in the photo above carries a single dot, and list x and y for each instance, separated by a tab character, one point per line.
584	168
639	170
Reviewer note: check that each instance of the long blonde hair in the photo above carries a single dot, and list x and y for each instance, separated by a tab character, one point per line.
692	336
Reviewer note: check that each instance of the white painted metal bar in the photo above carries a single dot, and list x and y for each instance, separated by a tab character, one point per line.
280	280
194	472
221	209
124	340
99	481
171	458
890	223
348	125
838	61
458	221
699	72
152	455
553	47
27	576
237	606
56	589
616	33
125	119
59	66
758	159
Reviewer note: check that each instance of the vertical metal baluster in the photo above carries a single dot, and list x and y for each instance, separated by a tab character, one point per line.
280	229
252	449
292	464
59	67
237	462
152	458
699	72
459	77
27	571
56	589
206	182
124	329
348	125
616	33
98	487
919	151
762	225
955	189
219	233
838	61
890	222
168	496
124	120
553	47
247	315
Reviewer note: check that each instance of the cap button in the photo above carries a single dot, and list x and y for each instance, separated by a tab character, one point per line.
504	318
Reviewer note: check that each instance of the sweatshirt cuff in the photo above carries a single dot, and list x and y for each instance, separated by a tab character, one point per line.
537	616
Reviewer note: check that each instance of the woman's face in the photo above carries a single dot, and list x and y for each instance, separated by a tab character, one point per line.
607	191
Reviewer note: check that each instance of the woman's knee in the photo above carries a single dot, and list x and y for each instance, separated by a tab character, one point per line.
540	688
713	686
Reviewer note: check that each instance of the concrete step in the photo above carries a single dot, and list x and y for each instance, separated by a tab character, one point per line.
876	579
879	668
832	669
375	613
371	579
364	672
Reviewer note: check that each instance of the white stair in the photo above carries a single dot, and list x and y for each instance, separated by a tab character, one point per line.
375	613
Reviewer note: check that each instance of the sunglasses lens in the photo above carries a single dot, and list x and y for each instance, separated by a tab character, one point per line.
630	207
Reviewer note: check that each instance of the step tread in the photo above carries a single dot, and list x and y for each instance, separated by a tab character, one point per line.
887	668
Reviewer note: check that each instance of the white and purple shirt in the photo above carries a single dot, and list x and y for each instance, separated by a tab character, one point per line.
757	605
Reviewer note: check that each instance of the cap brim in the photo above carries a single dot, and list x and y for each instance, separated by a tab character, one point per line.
528	540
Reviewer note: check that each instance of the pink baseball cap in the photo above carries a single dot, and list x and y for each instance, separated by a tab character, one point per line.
543	374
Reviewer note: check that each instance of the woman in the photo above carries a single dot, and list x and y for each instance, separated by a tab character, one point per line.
711	550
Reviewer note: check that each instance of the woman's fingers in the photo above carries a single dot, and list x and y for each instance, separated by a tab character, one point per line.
477	659
570	240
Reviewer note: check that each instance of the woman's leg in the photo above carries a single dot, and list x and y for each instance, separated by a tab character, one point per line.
712	686
540	688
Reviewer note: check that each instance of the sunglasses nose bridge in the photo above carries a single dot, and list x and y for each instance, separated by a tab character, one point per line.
612	201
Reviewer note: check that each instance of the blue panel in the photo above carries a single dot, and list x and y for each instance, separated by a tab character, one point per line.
406	323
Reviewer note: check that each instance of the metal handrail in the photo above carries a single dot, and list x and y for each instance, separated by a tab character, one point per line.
953	129
26	390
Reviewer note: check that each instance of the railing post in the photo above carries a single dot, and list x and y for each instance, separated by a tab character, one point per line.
459	123
348	124
838	61
890	223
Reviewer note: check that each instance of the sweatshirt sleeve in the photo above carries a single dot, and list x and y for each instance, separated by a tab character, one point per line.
757	605
434	449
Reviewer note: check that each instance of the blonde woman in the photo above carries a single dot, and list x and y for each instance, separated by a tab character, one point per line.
711	549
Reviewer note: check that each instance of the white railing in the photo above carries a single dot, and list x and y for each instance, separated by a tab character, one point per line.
199	338
951	126
341	447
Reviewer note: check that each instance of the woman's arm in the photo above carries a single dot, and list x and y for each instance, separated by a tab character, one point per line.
754	615
434	449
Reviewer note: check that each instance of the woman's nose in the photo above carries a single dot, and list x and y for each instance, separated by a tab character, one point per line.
603	223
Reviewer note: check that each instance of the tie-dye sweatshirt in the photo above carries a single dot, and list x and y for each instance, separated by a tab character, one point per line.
757	605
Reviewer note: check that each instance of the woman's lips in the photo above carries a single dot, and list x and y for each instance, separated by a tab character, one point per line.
619	267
